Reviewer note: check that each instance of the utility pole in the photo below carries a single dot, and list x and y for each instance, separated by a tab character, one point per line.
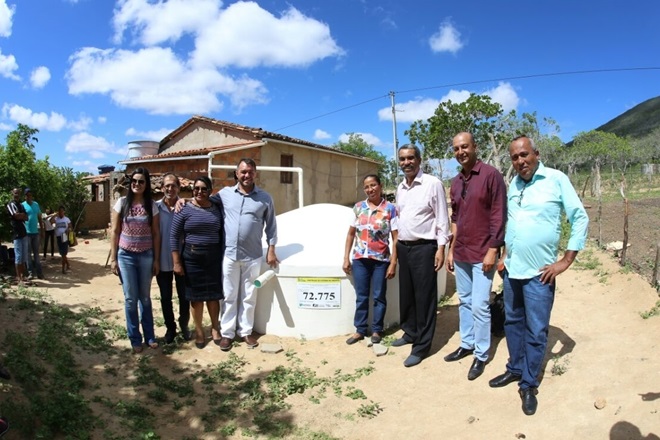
396	140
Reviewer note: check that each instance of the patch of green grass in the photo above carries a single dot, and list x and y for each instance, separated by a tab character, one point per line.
369	410
559	365
653	311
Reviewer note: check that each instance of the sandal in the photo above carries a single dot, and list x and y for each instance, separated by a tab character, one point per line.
153	345
138	349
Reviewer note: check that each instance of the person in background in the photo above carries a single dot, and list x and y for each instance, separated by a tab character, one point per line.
248	211
49	232
201	226
171	187
372	265
423	234
18	219
537	197
62	225
33	227
478	205
135	254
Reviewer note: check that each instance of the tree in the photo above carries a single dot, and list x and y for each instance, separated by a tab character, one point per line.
492	129
358	146
599	148
51	185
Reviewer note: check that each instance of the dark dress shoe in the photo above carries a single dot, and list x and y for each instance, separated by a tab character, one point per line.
529	402
476	369
503	380
460	353
355	338
412	360
400	342
186	334
169	336
250	341
376	338
225	344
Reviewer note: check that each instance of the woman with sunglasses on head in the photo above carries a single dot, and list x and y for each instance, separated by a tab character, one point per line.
373	222
135	253
201	225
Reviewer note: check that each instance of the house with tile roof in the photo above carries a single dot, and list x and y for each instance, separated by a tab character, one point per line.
294	171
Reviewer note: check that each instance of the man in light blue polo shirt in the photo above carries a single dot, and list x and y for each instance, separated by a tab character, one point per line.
249	211
537	197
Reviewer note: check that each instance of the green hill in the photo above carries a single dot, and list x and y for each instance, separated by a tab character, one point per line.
637	122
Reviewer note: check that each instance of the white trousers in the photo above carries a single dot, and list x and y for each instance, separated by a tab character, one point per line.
240	297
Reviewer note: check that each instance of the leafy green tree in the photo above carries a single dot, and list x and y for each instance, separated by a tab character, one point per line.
492	129
50	185
599	148
358	146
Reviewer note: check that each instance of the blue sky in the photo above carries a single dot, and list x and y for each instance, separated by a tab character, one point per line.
93	75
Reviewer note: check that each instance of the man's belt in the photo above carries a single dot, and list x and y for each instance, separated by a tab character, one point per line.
416	242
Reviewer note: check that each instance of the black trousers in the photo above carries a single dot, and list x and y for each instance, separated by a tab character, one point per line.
164	280
418	295
50	235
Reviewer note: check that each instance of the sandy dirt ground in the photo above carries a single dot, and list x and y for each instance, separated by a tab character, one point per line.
608	353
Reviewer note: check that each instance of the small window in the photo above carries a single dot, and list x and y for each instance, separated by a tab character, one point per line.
286	160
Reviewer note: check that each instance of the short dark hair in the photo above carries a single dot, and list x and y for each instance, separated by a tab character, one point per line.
418	152
176	178
206	181
247	161
373	176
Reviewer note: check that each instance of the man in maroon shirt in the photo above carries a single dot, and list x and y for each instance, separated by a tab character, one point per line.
478	204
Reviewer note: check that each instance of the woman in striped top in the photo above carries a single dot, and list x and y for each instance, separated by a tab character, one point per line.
135	255
201	225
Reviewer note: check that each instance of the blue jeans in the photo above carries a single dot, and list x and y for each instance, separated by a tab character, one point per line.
20	250
473	286
527	306
33	254
136	270
369	275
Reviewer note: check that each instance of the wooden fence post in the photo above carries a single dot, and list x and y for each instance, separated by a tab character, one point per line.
655	279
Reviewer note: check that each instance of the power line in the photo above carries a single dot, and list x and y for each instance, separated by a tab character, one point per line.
464	83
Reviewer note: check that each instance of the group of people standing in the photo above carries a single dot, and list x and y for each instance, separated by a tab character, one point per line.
210	247
30	227
514	232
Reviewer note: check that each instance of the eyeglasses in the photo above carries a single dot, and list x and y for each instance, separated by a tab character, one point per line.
200	188
138	181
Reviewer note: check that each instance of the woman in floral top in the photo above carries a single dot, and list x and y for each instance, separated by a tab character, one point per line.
371	265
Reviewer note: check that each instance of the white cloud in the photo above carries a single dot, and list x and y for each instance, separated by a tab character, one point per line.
367	137
156	23
131	82
94	146
245	35
86	165
102	119
321	134
242	35
82	124
151	135
447	39
40	77
41	120
506	95
8	66
424	108
6	13
6	127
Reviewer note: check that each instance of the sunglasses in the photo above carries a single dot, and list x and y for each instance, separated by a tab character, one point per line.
138	181
200	188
